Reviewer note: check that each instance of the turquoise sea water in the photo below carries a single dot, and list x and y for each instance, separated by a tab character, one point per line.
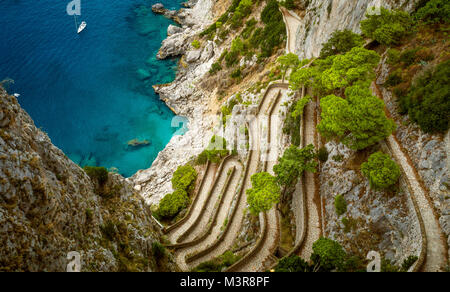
85	90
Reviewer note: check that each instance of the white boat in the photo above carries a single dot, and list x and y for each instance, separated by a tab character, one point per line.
16	95
82	26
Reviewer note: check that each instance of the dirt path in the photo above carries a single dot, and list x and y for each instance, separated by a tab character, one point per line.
313	226
292	22
436	258
262	258
219	191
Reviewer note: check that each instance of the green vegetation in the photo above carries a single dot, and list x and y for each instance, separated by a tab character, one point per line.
184	178
337	71
292	264
274	32
389	27
293	163
341	42
173	203
359	121
292	121
288	61
196	44
158	250
264	193
340	204
428	100
216	150
434	11
183	182
381	171
328	255
218	264
98	174
322	154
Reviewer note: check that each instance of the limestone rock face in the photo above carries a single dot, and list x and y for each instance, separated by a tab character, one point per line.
323	17
49	207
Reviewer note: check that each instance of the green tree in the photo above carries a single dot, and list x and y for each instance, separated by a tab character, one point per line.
341	42
292	264
328	255
428	101
337	71
381	171
293	163
184	178
264	193
435	11
287	62
358	121
388	27
173	203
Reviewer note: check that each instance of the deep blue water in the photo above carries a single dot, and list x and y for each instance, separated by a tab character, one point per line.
84	90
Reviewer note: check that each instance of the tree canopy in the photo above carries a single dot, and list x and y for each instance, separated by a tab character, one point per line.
337	71
287	62
264	193
340	42
381	171
184	178
328	255
293	163
388	27
359	121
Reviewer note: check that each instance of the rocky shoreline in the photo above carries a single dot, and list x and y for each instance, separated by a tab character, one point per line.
182	97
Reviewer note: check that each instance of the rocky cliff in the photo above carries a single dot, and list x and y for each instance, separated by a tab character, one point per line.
49	207
322	17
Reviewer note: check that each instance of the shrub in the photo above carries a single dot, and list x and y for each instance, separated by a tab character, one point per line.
108	230
340	204
393	56
322	154
195	44
98	174
359	121
173	203
215	67
381	171
389	27
428	101
408	57
264	193
158	250
328	255
292	264
341	42
184	178
236	74
435	11
408	262
274	32
293	163
394	79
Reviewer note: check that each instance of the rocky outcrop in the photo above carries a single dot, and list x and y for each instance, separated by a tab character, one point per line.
428	153
50	207
322	18
380	221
